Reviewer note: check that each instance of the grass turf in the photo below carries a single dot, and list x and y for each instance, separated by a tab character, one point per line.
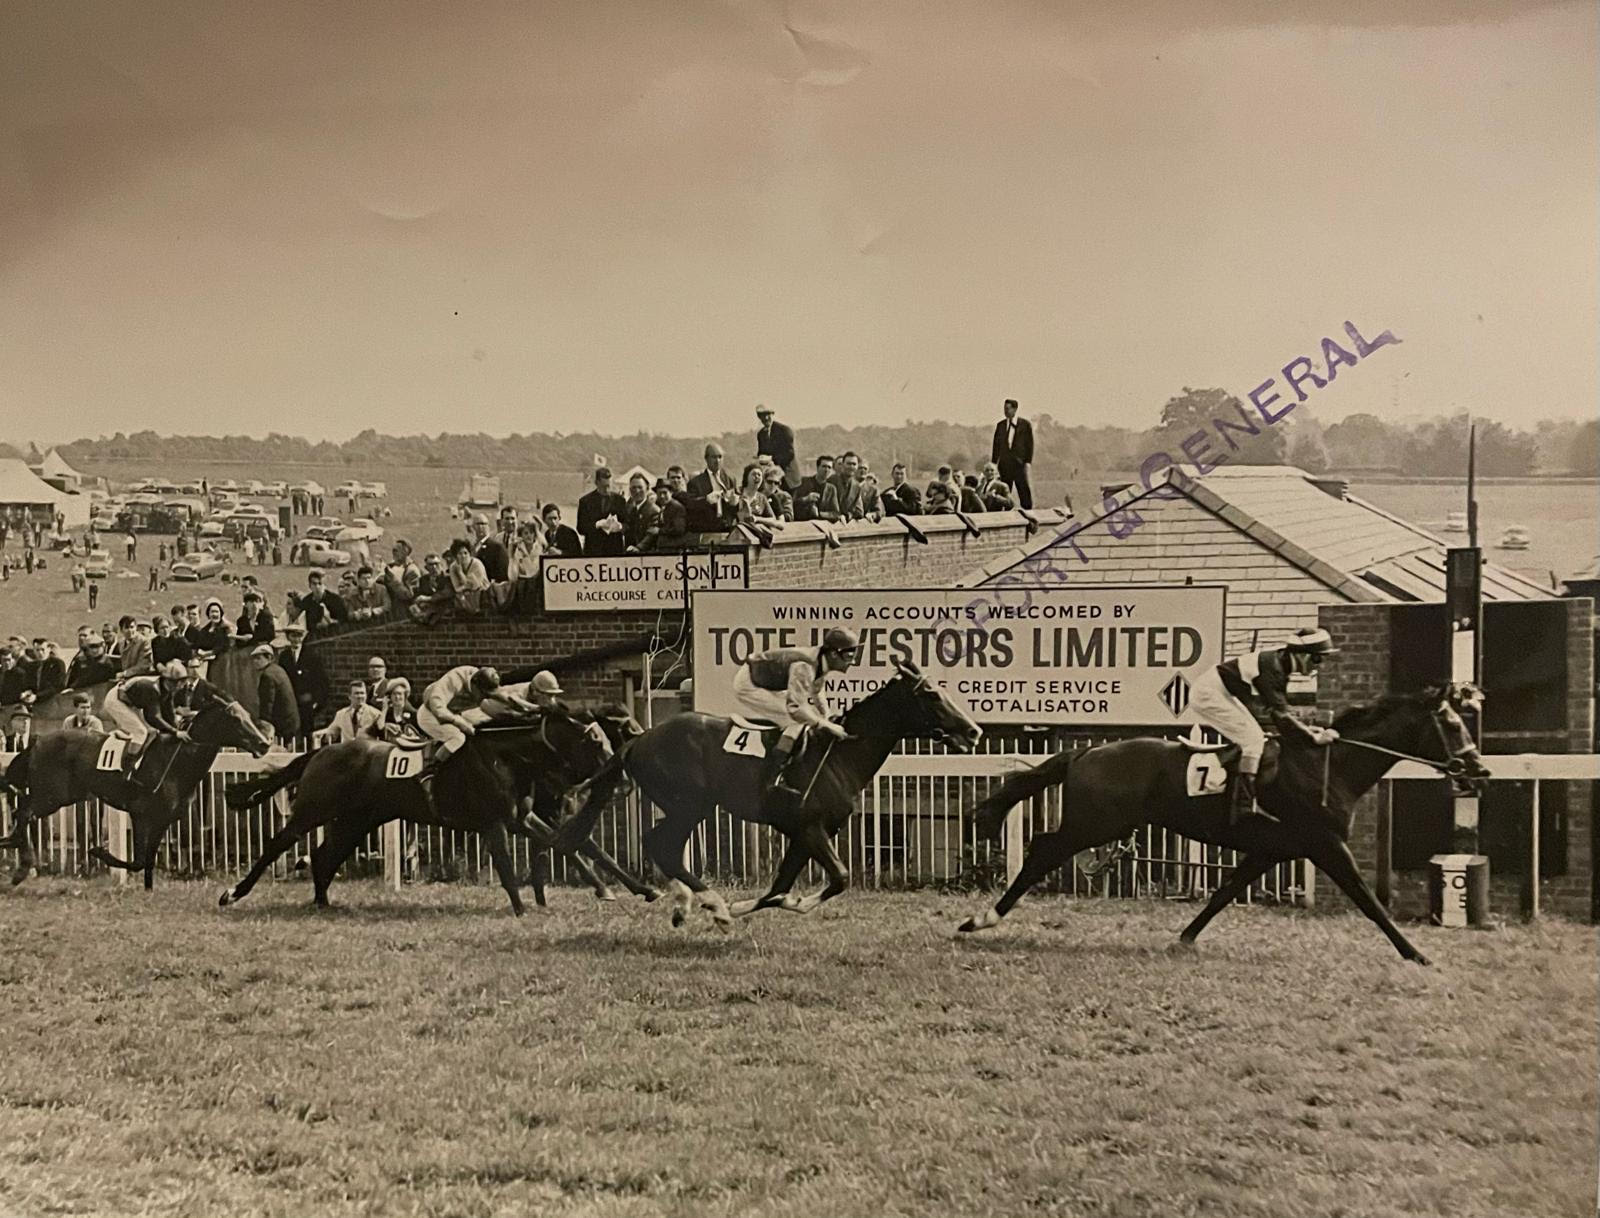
424	1053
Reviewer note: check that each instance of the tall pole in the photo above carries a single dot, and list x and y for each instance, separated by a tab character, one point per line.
1464	602
1472	483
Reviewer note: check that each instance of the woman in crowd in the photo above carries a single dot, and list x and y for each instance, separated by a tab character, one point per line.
526	548
212	634
167	645
753	504
399	718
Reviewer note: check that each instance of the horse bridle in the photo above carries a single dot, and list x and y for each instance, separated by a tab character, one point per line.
1453	765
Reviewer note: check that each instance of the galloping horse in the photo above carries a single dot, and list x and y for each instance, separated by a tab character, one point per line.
61	768
685	770
344	788
1113	789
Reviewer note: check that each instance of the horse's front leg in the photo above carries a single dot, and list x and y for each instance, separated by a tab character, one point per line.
778	895
819	844
24	844
1334	857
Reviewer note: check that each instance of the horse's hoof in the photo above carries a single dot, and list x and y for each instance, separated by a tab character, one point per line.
651	895
1419	958
605	894
1181	946
226	899
967	927
677	917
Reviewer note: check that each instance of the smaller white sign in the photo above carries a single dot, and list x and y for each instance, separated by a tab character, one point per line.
637	581
110	758
403	763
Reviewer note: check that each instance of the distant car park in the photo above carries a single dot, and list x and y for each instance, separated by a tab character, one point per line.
317	552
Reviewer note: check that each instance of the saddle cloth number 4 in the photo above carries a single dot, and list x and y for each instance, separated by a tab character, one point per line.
403	763
110	757
1206	774
744	742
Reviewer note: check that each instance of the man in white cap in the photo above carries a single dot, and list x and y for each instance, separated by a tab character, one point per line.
1223	697
538	694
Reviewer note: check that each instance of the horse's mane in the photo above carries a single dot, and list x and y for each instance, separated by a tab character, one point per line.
860	707
1368	713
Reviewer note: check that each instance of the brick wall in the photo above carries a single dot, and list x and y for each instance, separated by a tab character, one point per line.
1362	632
882	555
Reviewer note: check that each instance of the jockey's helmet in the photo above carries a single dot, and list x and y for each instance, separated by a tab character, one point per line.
544	682
841	641
1314	643
486	679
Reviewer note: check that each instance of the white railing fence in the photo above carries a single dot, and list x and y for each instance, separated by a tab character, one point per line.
913	828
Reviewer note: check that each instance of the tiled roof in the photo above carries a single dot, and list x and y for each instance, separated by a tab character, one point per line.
1346	544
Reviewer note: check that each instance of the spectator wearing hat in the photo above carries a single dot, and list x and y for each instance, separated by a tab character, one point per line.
83	718
672	527
255	624
560	540
306	674
278	707
600	515
90	666
488	549
356	720
19	729
776	440
399	718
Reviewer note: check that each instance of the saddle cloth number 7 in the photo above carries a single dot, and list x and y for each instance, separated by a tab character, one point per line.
1206	775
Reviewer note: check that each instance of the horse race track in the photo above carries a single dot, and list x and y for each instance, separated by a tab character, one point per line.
423	1053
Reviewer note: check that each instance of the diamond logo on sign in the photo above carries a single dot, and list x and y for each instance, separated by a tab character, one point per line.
1175	695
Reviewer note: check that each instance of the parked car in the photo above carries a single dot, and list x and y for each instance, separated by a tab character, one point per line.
316	552
202	564
250	509
213	528
255	487
375	490
277	490
192	489
98	564
347	488
327	528
361	528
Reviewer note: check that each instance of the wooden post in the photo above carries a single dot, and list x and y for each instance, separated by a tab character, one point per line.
116	834
1014	840
1385	877
1530	876
391	854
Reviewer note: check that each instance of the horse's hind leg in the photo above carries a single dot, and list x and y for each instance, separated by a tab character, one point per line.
819	844
776	897
499	844
1335	859
1251	868
1046	852
344	835
302	819
610	866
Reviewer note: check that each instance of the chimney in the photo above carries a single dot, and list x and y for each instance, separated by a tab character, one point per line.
1339	488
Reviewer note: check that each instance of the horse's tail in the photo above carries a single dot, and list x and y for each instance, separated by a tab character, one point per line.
990	814
242	795
15	779
596	792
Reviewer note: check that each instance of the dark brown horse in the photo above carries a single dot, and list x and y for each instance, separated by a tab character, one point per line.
683	767
1113	789
344	788
61	768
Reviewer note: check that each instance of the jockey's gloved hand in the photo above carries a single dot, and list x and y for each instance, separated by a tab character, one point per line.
837	729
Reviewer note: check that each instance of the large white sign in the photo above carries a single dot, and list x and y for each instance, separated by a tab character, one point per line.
1080	656
636	581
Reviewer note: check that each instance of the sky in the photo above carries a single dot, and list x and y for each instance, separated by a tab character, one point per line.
588	215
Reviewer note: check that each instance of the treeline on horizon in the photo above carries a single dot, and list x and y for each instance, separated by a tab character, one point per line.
1434	447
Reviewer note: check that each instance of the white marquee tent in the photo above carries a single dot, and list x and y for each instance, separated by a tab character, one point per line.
20	487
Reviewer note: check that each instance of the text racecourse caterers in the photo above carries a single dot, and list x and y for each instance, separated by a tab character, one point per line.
1101	655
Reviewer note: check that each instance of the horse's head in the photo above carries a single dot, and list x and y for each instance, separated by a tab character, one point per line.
619	726
911	705
568	741
228	725
1427	725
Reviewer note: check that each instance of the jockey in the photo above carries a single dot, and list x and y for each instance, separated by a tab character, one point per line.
786	686
141	703
529	697
1223	695
442	714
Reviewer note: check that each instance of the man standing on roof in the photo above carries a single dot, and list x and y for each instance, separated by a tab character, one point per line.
1223	697
785	686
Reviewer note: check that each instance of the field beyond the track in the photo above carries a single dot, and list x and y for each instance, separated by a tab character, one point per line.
425	1053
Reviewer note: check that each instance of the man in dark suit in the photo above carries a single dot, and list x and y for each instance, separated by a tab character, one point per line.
815	498
900	498
560	539
600	517
319	607
277	705
776	440
672	532
713	495
307	677
489	550
641	518
1013	452
847	488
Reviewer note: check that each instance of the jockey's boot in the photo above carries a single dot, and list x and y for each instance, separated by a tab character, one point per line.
1244	797
782	797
